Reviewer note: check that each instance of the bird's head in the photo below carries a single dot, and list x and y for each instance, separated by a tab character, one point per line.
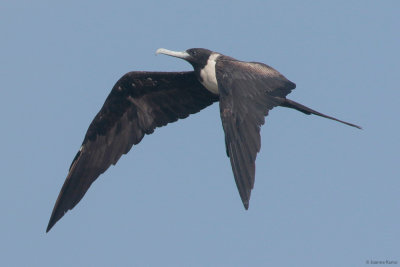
197	57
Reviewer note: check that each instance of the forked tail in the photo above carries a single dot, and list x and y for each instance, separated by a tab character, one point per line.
292	104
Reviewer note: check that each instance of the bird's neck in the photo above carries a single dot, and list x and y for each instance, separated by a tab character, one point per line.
208	76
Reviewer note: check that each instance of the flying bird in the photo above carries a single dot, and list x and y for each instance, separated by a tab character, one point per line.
142	101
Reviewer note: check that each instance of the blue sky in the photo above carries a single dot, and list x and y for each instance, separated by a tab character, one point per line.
325	194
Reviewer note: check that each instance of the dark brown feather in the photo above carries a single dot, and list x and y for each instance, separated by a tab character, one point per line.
138	103
248	90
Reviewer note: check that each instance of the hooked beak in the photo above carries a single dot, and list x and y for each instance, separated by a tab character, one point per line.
183	54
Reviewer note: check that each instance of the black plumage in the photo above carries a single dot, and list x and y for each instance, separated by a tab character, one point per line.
142	101
138	103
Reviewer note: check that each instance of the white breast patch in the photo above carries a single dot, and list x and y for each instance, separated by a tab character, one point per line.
208	74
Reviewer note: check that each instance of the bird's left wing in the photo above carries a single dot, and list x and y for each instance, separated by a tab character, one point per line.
248	90
138	103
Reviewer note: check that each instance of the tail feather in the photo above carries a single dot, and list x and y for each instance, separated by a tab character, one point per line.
292	104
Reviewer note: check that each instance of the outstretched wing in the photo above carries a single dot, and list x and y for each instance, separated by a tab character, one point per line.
138	103
248	90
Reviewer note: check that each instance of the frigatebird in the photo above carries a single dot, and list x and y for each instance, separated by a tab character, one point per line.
142	101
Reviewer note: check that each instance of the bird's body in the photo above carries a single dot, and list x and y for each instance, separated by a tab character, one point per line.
142	101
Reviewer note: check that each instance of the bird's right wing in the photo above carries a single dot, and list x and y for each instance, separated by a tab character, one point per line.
248	90
138	103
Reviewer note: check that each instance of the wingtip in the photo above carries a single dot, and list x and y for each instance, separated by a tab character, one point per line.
55	217
50	225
